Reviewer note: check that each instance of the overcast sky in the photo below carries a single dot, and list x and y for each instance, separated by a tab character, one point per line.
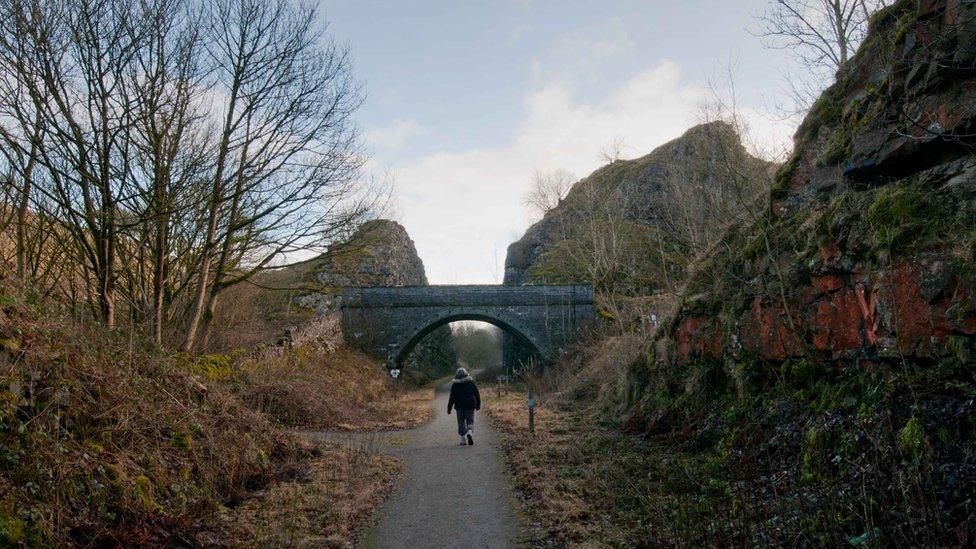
465	99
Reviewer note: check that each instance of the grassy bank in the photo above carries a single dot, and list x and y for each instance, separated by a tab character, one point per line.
327	505
106	439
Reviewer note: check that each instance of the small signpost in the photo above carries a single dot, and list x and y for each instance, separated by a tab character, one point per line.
531	403
394	374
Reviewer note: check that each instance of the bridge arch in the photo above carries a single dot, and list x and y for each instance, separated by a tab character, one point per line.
388	322
412	340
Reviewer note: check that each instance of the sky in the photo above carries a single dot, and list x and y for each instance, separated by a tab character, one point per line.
465	100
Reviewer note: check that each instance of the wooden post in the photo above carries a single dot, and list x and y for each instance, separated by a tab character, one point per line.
531	403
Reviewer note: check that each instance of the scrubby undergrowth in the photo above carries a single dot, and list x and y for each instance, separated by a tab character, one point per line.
315	382
105	440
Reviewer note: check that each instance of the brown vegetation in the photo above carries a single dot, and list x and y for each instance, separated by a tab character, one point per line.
337	390
107	439
326	505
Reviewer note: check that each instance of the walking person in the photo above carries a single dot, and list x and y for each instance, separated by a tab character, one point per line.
465	399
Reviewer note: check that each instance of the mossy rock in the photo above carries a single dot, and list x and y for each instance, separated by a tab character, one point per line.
901	217
913	443
145	493
13	531
214	367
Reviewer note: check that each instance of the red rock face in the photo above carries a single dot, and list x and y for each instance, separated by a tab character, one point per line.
905	106
909	309
698	337
839	318
920	323
765	331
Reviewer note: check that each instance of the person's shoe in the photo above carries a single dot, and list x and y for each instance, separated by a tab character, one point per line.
470	439
464	442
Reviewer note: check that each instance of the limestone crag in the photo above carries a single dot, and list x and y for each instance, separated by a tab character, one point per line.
633	186
380	253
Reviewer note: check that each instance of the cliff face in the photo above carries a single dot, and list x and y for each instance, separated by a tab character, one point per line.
867	254
824	356
380	253
632	191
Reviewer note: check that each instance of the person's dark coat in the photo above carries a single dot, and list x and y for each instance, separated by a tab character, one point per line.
464	395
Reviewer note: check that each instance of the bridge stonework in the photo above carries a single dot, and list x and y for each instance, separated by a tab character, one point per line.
388	322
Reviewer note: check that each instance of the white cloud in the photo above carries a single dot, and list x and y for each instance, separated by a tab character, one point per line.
463	208
393	136
460	207
579	55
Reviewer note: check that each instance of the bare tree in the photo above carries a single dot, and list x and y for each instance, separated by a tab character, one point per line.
821	34
73	59
613	151
169	152
287	159
161	151
548	190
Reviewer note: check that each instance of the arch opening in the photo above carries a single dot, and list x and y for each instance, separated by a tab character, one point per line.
406	348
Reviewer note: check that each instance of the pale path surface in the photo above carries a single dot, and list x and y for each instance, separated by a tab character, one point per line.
450	495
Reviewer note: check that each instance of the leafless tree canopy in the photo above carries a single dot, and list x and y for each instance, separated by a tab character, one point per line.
157	152
613	151
821	34
548	190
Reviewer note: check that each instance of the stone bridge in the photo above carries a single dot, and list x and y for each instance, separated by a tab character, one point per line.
389	321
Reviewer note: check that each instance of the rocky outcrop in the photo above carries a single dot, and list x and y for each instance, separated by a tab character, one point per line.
380	253
635	190
823	355
867	254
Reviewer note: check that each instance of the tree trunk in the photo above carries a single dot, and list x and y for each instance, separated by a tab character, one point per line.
23	210
217	285
159	281
203	279
841	31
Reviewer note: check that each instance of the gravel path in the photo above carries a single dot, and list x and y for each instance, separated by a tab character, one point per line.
450	495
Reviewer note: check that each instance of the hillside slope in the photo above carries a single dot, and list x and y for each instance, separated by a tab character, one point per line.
380	253
633	227
106	440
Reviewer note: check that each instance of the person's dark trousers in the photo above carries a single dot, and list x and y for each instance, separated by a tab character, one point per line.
465	419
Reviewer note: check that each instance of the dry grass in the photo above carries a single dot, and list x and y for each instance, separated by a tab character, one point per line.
556	498
326	506
585	484
593	372
105	440
313	388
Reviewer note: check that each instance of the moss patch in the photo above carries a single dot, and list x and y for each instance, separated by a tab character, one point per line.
901	217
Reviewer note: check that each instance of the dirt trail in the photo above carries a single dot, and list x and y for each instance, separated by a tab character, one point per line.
450	495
